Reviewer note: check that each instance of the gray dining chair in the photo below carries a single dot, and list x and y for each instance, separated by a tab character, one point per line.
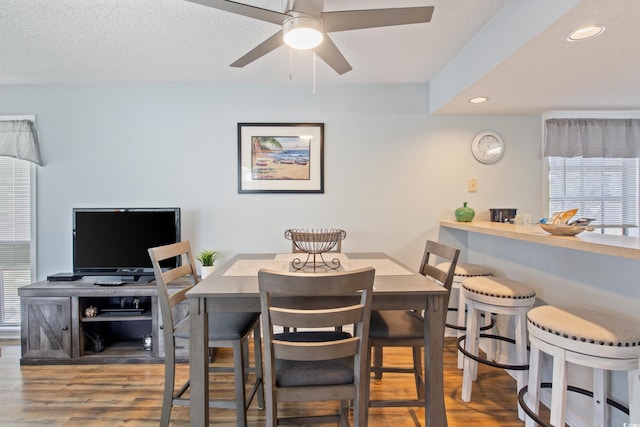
405	328
226	330
317	364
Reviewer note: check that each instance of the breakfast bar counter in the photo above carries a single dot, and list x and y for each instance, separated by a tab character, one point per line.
604	244
589	270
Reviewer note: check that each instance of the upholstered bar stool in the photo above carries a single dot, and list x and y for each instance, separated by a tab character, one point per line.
598	340
464	271
501	296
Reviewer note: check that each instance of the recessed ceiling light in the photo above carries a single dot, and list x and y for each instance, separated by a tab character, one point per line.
586	33
478	100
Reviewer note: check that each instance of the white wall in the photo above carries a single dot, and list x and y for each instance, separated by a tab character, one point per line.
391	170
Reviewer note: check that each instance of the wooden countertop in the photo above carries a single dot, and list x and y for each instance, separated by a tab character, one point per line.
606	244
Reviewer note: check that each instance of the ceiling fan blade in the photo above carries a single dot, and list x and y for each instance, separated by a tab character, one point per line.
259	51
244	10
371	18
329	53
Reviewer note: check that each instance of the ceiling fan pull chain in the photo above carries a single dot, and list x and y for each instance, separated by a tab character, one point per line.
290	63
314	71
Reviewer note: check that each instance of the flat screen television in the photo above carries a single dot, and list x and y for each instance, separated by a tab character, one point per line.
114	241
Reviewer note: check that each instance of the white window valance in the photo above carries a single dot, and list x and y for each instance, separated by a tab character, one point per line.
605	138
19	139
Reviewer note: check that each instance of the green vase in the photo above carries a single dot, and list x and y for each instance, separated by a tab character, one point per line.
465	214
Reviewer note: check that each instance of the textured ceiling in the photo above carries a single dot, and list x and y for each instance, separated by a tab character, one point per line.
512	51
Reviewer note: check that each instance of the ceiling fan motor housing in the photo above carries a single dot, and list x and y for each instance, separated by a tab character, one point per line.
302	31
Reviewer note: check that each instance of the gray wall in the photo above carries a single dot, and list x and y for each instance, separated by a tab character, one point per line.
391	169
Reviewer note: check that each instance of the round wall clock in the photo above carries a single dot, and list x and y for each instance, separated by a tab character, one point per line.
487	147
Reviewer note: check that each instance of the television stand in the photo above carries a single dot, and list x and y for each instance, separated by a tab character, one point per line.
58	325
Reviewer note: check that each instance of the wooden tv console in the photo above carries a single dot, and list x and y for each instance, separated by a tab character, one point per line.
56	330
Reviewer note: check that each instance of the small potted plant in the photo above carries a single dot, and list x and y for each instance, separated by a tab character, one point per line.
207	258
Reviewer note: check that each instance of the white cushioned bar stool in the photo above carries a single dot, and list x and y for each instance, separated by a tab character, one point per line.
465	270
501	296
598	340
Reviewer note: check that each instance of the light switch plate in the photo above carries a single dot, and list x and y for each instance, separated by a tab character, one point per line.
472	185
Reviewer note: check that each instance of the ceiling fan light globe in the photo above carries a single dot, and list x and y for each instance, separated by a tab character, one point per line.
302	32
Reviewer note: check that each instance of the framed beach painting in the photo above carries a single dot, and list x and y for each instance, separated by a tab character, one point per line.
280	158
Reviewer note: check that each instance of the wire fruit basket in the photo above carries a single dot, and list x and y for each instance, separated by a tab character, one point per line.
315	243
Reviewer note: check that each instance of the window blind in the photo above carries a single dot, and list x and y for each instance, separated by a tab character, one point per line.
605	189
15	235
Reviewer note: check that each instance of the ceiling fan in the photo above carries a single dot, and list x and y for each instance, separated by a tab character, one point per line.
307	19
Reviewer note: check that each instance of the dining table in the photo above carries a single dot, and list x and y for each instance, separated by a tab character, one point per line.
233	287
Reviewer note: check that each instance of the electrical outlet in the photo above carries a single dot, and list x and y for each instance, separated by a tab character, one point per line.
472	185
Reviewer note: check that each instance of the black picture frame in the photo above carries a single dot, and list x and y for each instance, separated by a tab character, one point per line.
280	157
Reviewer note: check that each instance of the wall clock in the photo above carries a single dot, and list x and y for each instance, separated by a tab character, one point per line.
487	147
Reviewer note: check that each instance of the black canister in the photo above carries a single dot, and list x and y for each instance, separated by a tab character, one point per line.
502	215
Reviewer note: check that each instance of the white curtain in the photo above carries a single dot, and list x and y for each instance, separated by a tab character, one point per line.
605	138
19	139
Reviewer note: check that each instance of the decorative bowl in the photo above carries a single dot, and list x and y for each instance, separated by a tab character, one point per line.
564	230
315	241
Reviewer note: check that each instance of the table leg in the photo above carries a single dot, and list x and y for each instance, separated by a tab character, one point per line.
435	413
198	362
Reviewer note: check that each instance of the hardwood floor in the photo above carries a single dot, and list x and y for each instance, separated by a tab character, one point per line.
130	395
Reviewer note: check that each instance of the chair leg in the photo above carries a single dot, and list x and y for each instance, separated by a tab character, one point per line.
471	345
360	403
634	396
257	355
599	398
521	352
245	355
533	390
271	412
169	386
491	347
344	413
167	398
559	390
239	377
462	306
364	415
377	361
417	372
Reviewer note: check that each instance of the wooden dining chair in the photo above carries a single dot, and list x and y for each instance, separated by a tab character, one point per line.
405	328
226	330
318	364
